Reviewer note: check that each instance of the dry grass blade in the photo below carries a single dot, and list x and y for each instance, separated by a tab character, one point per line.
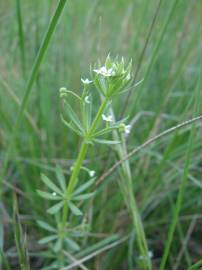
87	258
148	142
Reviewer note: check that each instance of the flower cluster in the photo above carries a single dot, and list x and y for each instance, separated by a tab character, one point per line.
113	77
105	72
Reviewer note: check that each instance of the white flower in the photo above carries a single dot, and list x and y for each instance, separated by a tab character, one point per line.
86	81
128	77
108	118
127	129
149	255
86	99
54	194
91	173
104	71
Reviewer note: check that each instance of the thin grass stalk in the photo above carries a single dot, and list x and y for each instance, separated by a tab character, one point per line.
20	239
156	49
29	85
142	56
15	98
183	249
21	36
183	183
180	232
145	144
196	266
178	204
96	253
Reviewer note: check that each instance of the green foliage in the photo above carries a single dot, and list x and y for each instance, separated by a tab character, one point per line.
20	239
141	214
68	194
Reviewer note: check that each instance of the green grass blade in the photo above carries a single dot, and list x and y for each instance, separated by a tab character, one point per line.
21	36
182	187
157	47
30	82
20	239
196	266
4	261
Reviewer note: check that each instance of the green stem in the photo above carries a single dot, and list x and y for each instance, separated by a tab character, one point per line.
76	169
133	208
98	116
73	180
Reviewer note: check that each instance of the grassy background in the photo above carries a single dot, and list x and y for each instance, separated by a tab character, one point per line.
171	67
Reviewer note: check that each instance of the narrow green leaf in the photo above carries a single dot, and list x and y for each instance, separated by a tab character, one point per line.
72	244
65	91
1	230
69	125
30	83
55	208
106	141
72	116
50	184
46	226
84	196
4	261
75	210
99	245
196	266
58	245
110	128
20	240
53	266
48	196
47	239
61	178
21	35
104	131
84	186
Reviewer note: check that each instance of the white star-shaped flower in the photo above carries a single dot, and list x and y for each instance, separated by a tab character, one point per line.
91	173
54	194
104	71
127	129
86	81
86	99
128	77
108	118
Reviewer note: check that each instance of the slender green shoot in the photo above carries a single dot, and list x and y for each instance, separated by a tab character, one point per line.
183	183
29	85
21	36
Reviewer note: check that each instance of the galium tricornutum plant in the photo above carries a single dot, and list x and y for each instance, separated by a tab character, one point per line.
110	80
